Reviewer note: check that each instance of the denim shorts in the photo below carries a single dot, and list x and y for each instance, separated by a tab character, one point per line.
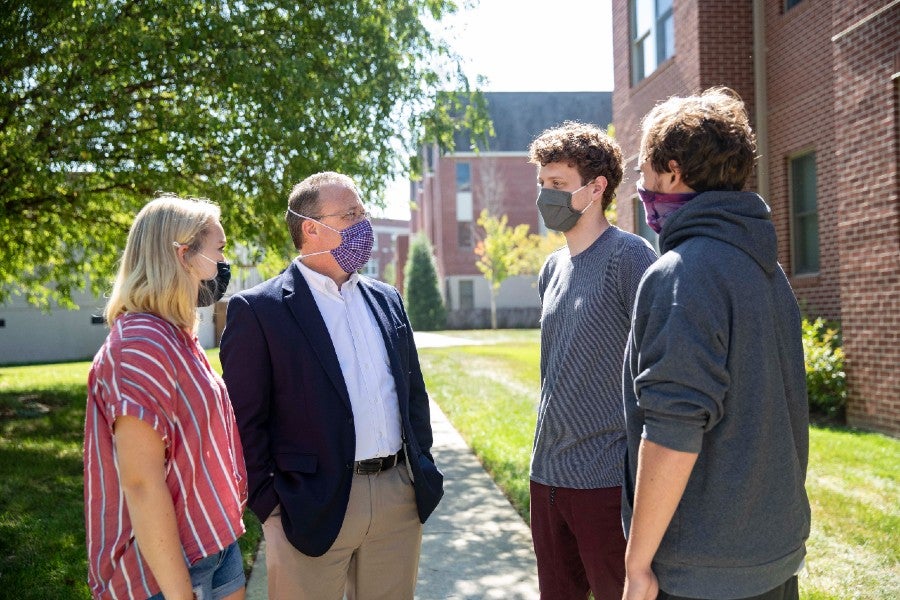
217	575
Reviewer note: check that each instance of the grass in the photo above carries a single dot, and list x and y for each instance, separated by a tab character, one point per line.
490	392
42	540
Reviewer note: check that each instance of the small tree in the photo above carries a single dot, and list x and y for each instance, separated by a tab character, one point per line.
389	274
422	292
503	252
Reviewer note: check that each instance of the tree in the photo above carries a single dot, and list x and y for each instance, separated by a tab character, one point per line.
504	251
104	103
423	295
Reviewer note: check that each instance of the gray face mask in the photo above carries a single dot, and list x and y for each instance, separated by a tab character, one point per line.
556	209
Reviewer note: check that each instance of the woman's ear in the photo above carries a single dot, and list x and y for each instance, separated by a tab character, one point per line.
181	251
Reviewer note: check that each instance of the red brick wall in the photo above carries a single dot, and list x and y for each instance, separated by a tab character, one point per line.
866	63
678	75
801	118
509	179
837	97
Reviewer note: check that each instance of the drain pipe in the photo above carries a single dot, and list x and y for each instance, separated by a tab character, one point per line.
760	90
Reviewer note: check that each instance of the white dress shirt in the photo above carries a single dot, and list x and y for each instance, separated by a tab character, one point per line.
364	362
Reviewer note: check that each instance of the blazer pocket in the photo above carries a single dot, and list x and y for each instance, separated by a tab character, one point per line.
297	463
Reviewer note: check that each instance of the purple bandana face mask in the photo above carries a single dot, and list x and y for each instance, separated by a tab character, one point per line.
658	206
355	248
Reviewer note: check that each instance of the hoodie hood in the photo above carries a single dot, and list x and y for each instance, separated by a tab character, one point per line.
741	219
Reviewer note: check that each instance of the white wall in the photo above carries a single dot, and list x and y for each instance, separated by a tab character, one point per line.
32	336
516	292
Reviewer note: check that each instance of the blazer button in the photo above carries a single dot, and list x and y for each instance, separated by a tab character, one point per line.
349	466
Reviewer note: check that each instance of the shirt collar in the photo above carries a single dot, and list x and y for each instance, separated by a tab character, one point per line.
324	283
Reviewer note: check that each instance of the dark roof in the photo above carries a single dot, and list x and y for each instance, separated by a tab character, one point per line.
519	117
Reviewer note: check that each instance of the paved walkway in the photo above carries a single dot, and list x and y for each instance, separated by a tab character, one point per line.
475	545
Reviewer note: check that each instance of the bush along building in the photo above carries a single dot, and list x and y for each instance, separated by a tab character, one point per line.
456	186
821	79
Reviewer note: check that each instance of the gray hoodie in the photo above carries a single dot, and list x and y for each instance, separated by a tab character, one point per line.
714	366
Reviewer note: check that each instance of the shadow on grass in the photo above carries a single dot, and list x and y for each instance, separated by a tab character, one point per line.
42	552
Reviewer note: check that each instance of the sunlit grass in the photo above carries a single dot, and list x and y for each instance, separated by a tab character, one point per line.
489	392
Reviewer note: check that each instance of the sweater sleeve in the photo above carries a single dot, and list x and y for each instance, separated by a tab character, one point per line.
681	329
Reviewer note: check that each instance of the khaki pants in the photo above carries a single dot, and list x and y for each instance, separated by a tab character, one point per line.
376	553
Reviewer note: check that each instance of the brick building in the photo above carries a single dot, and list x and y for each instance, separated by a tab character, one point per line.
388	235
820	79
456	186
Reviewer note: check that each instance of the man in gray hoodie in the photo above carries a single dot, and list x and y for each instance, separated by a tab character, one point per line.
714	383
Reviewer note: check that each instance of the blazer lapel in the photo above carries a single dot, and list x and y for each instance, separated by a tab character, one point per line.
299	300
378	304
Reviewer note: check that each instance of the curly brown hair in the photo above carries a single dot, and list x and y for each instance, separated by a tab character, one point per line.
708	136
585	147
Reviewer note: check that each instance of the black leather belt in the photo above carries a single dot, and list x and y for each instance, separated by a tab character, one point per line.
371	466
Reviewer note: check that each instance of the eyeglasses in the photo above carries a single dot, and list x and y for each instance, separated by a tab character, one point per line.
351	216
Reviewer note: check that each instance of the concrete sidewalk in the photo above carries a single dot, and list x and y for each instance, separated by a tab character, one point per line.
475	545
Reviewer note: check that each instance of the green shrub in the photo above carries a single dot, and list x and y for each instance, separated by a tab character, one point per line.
424	304
826	382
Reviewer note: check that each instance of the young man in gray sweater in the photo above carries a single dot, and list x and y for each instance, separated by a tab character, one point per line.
587	292
714	382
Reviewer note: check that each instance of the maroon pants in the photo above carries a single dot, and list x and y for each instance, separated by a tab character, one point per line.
578	542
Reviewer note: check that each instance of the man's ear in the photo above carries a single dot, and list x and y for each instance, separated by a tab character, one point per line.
672	179
599	185
308	226
674	174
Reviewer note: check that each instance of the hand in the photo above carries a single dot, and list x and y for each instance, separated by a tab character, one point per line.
640	585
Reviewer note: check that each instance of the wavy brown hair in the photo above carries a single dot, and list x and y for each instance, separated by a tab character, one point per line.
585	147
708	136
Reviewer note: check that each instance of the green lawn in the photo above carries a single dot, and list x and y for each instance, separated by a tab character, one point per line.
489	392
42	547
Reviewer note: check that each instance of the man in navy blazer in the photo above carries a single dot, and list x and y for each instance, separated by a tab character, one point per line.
324	378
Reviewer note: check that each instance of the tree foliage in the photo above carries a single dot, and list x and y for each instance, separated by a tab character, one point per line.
424	303
104	103
504	251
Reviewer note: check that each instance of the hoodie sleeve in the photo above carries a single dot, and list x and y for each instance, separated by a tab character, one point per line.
680	329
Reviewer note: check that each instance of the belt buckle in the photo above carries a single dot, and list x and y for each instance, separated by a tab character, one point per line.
369	466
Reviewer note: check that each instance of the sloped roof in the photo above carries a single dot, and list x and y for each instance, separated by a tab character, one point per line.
519	117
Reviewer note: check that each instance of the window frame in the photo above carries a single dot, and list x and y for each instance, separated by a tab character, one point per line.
655	33
800	218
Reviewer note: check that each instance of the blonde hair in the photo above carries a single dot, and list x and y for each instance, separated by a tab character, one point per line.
151	278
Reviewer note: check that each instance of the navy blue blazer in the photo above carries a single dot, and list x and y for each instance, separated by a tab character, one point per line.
294	412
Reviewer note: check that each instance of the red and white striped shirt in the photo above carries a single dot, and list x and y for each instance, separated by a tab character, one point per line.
156	372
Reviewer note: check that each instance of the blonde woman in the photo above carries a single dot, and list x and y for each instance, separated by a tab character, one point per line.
165	483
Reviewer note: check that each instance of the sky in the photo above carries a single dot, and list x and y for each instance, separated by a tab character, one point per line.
528	46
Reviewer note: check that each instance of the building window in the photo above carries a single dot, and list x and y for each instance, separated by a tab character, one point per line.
466	294
804	214
644	230
464	234
789	4
652	36
371	268
464	210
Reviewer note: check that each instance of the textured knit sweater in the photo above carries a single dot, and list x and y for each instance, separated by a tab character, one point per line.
586	303
714	366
